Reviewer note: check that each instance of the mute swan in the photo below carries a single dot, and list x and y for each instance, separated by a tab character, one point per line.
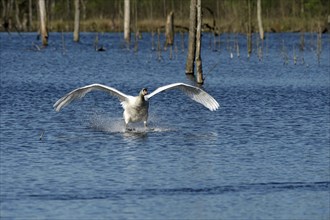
136	108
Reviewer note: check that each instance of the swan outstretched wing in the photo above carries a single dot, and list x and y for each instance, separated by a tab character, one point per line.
193	92
81	92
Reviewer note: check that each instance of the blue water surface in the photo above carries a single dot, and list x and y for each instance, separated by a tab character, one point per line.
264	154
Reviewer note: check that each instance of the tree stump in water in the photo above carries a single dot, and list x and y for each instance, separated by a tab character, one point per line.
43	23
192	38
169	32
198	59
261	29
127	20
76	21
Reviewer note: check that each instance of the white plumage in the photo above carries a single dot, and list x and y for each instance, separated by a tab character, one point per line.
136	107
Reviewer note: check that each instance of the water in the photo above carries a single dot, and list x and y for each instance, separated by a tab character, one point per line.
263	155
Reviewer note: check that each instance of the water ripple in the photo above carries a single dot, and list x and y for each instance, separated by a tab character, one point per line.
263	188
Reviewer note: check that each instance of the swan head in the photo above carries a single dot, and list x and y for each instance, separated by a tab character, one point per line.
144	92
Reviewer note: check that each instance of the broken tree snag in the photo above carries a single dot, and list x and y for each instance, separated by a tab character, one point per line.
192	38
127	19
43	22
198	59
169	32
76	21
261	29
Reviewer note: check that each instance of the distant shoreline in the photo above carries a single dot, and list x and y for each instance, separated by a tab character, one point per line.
293	24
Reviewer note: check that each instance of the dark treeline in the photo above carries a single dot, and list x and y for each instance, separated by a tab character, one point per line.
149	15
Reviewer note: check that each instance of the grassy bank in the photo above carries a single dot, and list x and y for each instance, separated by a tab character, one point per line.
288	24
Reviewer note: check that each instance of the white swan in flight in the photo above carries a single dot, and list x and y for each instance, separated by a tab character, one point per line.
136	107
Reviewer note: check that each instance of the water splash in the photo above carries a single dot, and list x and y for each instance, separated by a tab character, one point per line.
107	124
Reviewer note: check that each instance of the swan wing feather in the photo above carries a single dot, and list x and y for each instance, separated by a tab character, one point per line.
82	91
193	92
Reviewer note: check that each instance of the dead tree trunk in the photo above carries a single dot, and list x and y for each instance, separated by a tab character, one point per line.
261	29
43	22
127	33
192	39
76	20
198	59
169	32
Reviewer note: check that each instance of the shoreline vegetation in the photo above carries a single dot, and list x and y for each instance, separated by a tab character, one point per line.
227	16
289	24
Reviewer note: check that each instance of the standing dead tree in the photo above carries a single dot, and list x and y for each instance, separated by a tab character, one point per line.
195	41
76	20
43	22
261	29
127	33
198	59
169	29
192	39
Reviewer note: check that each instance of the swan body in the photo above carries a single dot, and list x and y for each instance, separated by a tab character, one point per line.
136	107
